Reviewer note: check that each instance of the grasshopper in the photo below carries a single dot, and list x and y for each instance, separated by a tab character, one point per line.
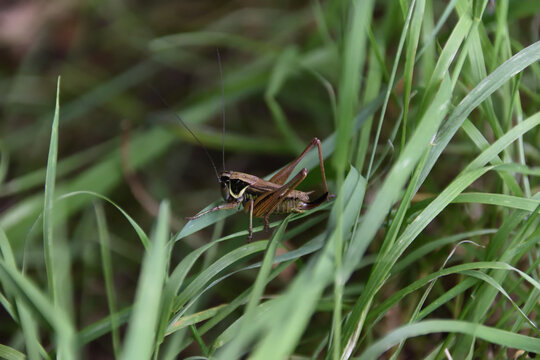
261	198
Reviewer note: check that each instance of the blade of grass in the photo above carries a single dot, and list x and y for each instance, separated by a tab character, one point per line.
48	225
390	87
353	193
509	201
140	335
107	267
373	85
39	304
140	232
282	261
100	178
481	143
291	311
10	353
172	286
475	97
468	175
280	73
64	166
451	48
56	254
207	274
27	321
247	331
197	318
353	60
410	59
425	249
395	180
103	326
490	334
102	93
225	311
469	269
513	249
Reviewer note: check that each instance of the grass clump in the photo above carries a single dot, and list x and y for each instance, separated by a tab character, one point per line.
428	113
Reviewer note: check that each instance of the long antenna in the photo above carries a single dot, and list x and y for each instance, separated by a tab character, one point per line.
222	111
188	129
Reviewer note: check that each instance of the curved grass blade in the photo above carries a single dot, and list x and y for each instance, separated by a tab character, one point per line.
140	232
10	353
492	335
214	269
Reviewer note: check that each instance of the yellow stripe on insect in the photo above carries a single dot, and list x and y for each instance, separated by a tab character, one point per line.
236	196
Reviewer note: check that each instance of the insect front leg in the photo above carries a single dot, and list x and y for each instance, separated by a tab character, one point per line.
226	206
250	230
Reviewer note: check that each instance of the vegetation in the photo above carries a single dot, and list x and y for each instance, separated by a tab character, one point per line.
428	113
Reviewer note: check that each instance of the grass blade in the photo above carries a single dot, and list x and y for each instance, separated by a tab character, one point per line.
141	332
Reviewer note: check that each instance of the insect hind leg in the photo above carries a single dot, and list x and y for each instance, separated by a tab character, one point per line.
315	203
281	176
265	206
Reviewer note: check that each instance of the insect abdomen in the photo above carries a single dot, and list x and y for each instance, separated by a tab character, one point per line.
290	205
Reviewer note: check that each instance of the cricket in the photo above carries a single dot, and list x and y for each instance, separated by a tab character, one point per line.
262	198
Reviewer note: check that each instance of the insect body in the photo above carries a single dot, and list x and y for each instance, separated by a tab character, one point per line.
261	198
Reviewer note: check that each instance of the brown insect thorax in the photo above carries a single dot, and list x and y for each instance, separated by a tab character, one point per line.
233	190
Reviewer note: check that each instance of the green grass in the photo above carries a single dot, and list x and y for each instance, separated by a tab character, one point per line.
428	115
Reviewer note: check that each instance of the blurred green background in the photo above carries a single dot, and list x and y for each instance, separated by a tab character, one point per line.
281	67
110	56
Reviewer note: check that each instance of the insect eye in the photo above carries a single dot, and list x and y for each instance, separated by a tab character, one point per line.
225	191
